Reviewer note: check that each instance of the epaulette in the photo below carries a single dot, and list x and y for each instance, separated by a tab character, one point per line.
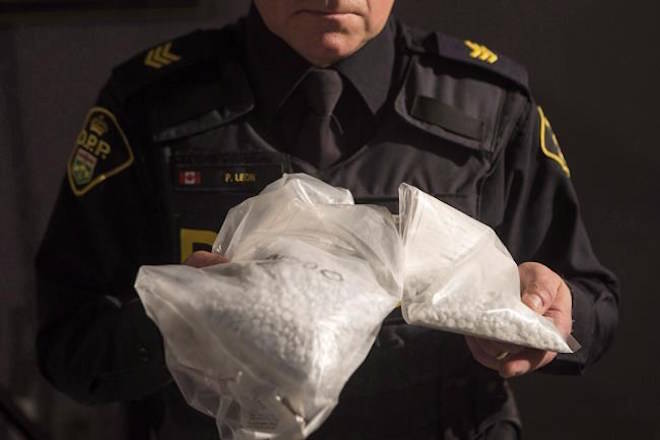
467	52
171	58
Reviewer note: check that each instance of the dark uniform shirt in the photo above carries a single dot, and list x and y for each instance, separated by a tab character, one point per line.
275	72
188	129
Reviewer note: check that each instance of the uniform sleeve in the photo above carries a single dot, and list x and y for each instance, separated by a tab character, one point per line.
542	223
95	342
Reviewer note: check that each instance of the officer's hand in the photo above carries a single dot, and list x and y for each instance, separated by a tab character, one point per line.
204	258
544	292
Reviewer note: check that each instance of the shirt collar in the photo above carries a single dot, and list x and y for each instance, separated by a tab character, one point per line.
275	69
370	69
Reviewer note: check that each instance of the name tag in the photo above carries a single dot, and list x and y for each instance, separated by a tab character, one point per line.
189	173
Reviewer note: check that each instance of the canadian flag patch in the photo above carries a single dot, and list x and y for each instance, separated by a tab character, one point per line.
190	177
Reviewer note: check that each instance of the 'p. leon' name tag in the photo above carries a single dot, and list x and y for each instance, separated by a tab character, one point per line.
220	177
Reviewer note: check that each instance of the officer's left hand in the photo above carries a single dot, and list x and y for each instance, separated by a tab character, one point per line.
201	259
544	292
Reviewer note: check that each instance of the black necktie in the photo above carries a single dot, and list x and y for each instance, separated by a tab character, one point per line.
320	135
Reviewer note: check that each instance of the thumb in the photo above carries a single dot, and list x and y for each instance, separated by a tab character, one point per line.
538	285
201	259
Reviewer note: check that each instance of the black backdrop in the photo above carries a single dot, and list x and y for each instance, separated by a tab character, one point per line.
593	66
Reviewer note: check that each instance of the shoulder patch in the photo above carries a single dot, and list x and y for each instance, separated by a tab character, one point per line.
550	144
481	52
101	151
469	52
168	58
479	55
161	56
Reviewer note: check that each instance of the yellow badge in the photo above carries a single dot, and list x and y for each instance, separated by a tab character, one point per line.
550	144
102	150
195	239
481	52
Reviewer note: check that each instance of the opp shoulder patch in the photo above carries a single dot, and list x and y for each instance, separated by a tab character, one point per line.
101	151
550	144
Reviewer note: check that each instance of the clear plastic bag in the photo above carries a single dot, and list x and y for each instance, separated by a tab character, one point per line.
460	277
266	342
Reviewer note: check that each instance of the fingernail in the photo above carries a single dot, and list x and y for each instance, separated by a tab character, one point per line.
535	301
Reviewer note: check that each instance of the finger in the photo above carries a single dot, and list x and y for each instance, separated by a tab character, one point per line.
524	362
495	349
561	311
539	286
480	355
203	259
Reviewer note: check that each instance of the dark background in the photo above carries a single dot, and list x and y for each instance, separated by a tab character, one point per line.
593	66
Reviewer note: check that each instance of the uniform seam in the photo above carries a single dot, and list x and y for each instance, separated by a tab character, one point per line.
495	143
516	134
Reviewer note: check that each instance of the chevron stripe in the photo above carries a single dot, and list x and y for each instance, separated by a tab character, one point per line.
169	55
481	52
161	56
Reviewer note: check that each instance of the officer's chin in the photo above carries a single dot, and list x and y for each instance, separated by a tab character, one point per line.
333	47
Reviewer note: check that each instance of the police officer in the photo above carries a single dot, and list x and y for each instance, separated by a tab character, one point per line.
342	91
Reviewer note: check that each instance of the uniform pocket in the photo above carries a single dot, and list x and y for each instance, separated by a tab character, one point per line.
200	186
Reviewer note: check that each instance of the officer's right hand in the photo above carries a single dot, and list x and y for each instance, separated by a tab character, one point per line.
203	258
545	292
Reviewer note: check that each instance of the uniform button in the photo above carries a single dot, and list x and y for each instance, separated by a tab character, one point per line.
143	354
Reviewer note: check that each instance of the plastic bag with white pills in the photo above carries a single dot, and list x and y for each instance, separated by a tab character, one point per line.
460	278
266	342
